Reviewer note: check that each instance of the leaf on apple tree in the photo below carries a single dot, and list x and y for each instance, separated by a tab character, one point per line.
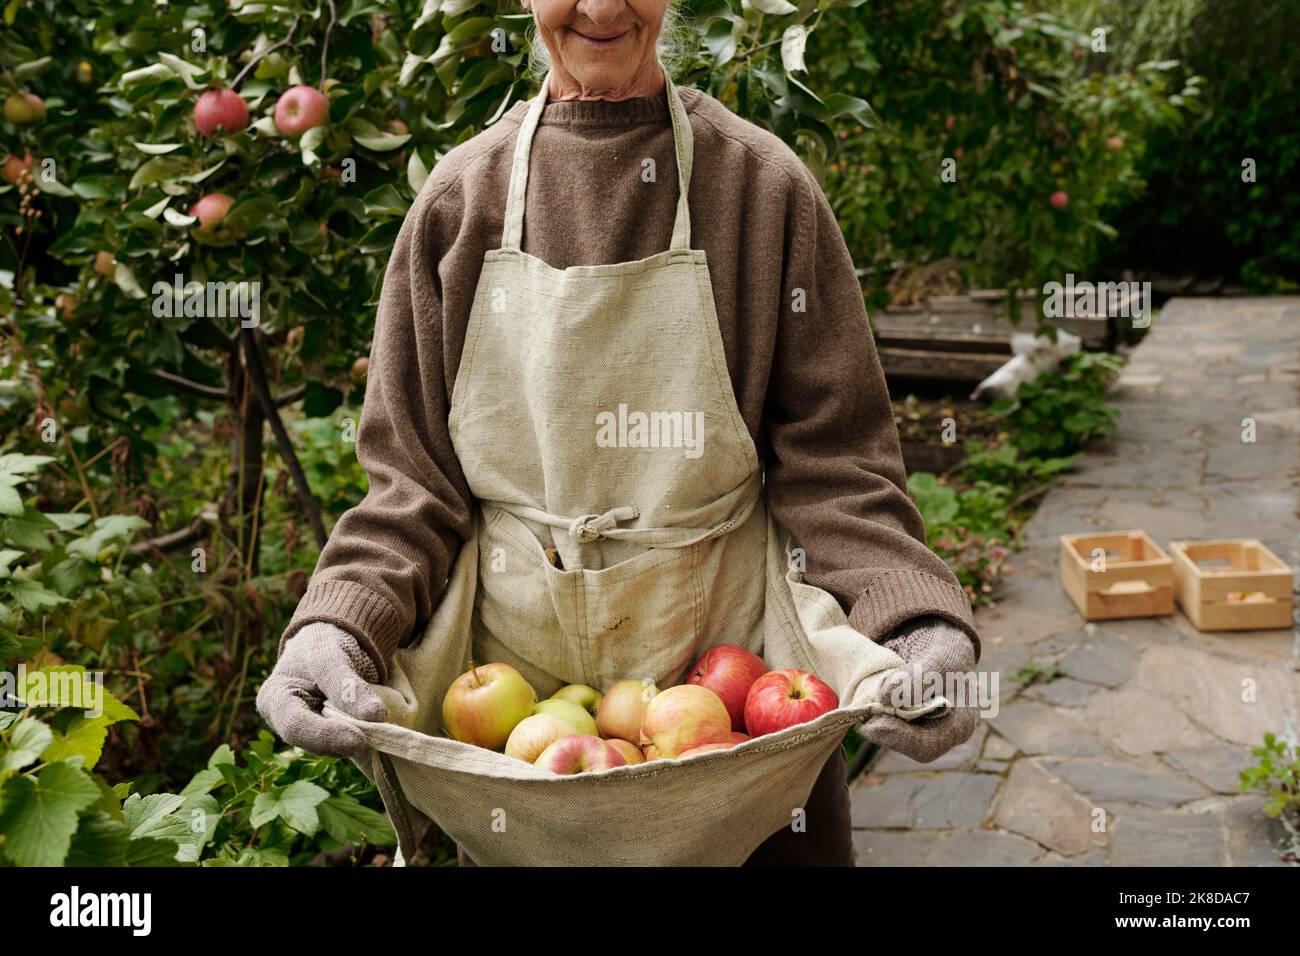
158	149
774	7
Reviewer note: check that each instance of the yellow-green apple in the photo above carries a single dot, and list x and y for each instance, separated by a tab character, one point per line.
620	712
534	734
579	754
15	170
683	717
729	671
299	109
24	109
631	752
220	110
485	703
211	213
570	713
651	752
588	698
781	699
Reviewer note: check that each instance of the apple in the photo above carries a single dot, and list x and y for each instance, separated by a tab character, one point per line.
534	734
484	704
739	738
299	109
85	73
1115	143
705	748
1060	199
631	753
211	212
570	713
24	109
781	699
223	110
360	369
683	717
578	754
67	306
105	264
588	698
651	752
729	671
15	170
619	714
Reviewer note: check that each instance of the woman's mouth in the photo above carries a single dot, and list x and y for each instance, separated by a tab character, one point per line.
608	39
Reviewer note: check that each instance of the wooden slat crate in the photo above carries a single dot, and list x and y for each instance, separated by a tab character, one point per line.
1231	585
1135	578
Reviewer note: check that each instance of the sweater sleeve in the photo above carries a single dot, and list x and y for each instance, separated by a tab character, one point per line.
835	477
386	562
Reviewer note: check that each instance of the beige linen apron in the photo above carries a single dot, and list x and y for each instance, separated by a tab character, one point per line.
620	530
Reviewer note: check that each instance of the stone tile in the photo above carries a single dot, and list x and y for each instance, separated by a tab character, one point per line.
999	748
1062	692
886	848
1253	839
1215	765
1108	782
1152	838
1139	723
982	848
1059	644
961	757
1038	806
1039	729
1210	688
918	801
1102	658
992	766
1094	857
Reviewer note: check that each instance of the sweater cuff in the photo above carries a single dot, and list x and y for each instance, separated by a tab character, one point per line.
365	615
895	597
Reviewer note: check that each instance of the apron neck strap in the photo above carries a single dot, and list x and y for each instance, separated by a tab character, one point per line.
683	143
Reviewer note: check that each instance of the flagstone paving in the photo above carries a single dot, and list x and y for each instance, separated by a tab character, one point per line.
1131	758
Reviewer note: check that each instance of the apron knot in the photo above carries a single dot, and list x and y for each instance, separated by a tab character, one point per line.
591	527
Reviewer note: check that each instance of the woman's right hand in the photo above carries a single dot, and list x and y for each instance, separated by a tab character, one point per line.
321	662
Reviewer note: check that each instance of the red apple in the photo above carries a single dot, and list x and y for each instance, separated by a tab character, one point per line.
15	170
579	754
620	713
105	263
486	703
299	109
781	699
739	738
729	671
631	753
1115	143
211	212
24	109
1060	199
534	734
705	748
223	110
360	369
683	717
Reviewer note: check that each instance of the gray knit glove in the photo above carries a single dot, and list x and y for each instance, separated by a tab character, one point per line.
928	645
321	662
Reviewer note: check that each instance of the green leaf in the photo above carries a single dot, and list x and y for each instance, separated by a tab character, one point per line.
385	201
777	8
99	841
295	805
32	596
151	851
83	738
347	820
26	741
40	813
152	815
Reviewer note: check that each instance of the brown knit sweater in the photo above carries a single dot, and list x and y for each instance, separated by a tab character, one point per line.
808	383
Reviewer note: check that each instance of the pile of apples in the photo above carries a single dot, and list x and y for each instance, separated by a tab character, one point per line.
729	697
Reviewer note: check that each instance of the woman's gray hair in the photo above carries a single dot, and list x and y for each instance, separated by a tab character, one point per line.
673	45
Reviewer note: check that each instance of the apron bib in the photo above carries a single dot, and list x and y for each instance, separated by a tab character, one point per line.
620	530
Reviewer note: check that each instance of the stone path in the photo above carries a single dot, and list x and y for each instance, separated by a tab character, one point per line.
1131	757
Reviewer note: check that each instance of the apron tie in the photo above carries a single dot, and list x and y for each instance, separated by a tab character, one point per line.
591	527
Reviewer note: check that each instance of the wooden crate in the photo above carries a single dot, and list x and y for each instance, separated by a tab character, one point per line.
1137	580
1249	589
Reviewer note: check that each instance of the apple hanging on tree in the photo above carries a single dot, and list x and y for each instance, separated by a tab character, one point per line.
299	109
24	109
220	110
211	213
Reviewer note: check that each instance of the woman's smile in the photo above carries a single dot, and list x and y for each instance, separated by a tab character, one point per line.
599	41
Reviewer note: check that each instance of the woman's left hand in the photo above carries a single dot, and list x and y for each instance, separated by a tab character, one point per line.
929	646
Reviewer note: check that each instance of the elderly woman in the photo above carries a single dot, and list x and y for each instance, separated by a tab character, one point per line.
569	269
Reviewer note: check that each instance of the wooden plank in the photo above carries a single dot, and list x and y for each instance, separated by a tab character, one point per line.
972	367
980	317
